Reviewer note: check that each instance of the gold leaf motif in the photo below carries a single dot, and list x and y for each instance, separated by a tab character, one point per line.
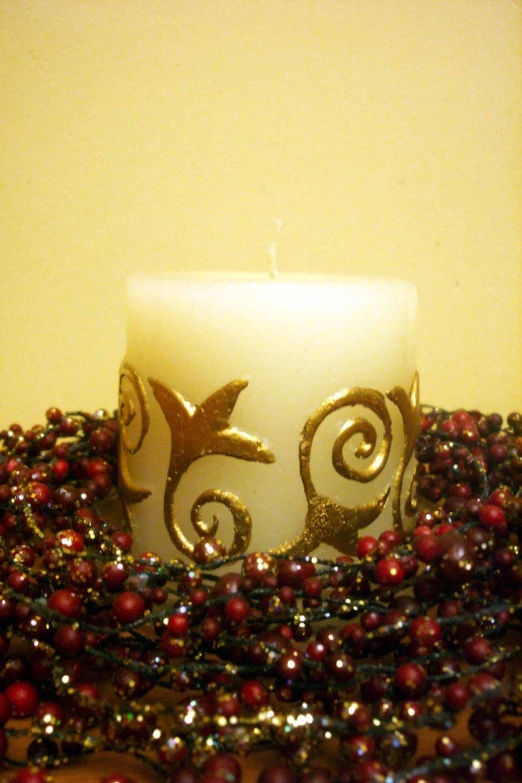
132	401
200	431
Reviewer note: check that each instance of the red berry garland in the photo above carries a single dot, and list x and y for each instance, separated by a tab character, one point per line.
286	653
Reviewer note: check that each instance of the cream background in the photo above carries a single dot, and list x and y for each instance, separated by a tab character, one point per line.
163	135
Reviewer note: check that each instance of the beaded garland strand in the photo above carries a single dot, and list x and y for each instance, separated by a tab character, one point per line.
288	653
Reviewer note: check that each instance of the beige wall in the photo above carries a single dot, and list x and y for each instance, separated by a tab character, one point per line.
160	135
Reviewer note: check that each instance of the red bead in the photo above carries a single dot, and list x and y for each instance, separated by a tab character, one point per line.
366	545
173	646
18	582
114	575
53	415
357	747
66	603
69	640
61	450
198	596
340	667
497	453
374	688
312	587
66	498
370	621
128	607
451	428
477	650
425	631
443	528
293	572
210	628
457	564
178	624
482	683
392	537
23	555
258	565
122	540
316	651
411	711
70	541
83	573
389	571
289	666
228	584
208	549
410	680
49	713
428	547
446	746
86	690
23	698
286	595
102	440
38	494
60	469
502	496
493	517
236	609
172	751
330	637
253	694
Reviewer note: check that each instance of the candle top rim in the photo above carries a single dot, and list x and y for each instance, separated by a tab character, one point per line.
204	277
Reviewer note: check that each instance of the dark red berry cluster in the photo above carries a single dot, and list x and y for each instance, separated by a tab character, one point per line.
365	652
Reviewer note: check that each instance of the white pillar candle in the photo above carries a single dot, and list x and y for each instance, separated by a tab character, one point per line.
290	403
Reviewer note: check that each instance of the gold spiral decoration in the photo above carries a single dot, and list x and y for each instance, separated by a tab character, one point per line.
327	521
132	401
132	398
240	515
368	398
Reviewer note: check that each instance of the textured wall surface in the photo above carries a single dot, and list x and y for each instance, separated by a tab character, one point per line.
363	137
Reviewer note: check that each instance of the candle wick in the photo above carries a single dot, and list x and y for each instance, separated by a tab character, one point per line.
273	271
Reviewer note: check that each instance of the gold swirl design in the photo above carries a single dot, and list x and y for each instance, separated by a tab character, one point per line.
131	385
132	399
327	521
196	432
409	407
242	522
